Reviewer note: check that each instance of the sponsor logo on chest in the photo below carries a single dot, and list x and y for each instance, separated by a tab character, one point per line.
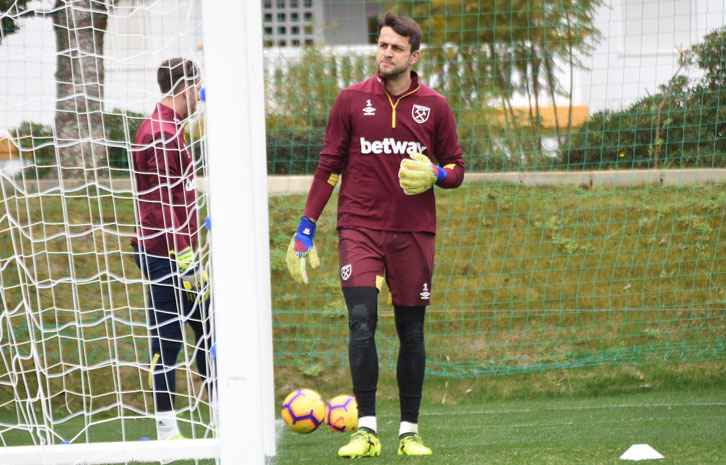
389	145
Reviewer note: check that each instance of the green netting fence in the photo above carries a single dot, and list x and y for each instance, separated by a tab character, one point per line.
590	229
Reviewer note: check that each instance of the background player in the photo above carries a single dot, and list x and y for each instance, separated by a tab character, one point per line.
381	136
167	236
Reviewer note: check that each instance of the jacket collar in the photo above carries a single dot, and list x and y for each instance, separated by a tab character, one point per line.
413	86
165	114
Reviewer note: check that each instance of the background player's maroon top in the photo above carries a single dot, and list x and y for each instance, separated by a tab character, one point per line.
369	132
166	185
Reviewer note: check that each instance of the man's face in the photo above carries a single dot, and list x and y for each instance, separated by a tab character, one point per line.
394	55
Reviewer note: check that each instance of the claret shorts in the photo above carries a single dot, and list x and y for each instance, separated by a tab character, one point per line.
404	259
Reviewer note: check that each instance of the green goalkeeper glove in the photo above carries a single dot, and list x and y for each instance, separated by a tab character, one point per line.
417	174
302	247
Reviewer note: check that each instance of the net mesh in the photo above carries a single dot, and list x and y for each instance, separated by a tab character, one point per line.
78	78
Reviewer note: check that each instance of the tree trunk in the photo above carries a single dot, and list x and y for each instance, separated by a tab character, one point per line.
79	27
570	53
535	64
552	87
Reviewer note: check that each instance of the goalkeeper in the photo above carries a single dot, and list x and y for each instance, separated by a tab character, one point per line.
167	236
383	136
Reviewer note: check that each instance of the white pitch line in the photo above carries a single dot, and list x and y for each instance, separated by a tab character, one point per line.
584	407
519	425
589	421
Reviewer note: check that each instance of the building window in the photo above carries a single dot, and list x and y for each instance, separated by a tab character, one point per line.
294	3
295	30
295	42
282	43
282	30
281	16
268	17
268	31
294	16
267	4
281	3
308	16
308	3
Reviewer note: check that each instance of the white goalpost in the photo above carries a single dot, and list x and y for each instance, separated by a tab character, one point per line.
241	253
76	80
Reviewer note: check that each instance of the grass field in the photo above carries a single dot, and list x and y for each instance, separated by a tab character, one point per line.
686	423
687	427
531	281
532	278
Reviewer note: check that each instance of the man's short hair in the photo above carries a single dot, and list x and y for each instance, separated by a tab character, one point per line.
404	26
175	72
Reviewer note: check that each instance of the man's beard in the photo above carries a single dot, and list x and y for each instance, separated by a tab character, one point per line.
395	72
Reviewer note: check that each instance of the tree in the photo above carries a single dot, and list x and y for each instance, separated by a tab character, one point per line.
79	27
484	52
11	11
681	125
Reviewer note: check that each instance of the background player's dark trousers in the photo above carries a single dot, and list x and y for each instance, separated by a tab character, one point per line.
363	357
169	310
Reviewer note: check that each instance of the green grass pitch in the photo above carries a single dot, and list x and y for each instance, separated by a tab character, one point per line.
687	427
686	424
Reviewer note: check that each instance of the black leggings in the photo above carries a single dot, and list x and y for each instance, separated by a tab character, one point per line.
363	358
411	359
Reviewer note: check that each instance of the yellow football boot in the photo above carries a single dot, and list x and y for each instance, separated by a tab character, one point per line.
363	443
412	444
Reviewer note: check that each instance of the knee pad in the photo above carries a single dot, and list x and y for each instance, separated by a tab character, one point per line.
362	312
362	326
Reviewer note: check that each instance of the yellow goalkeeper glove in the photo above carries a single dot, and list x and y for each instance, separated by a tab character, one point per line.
195	280
197	284
184	259
301	247
417	174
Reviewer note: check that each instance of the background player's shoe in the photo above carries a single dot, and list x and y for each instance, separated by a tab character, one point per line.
363	443
412	444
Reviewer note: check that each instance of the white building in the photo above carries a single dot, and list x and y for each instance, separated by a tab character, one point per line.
638	51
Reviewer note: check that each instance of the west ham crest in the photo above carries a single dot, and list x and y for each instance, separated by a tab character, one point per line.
420	113
345	272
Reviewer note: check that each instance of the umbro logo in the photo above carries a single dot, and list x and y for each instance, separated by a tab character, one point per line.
425	294
369	110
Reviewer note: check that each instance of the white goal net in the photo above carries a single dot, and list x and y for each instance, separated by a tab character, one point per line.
77	78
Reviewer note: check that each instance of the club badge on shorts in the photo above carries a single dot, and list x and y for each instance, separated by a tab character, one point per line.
420	113
345	272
